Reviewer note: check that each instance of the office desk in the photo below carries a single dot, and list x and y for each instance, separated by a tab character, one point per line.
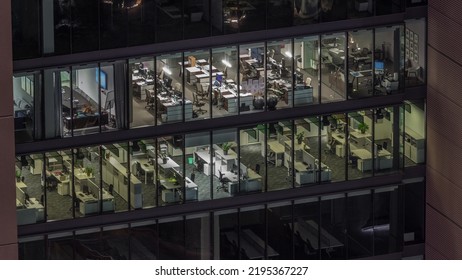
205	156
172	111
308	231
88	204
229	93
21	186
279	150
383	159
170	163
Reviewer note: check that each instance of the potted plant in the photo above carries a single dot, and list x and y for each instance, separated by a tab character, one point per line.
18	175
226	146
300	137
363	127
88	170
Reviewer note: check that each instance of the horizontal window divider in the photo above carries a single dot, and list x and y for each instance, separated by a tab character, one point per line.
216	41
211	205
218	123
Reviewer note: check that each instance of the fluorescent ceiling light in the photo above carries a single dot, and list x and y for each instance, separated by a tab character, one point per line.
226	63
166	70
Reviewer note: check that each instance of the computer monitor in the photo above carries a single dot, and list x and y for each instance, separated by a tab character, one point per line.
101	77
379	66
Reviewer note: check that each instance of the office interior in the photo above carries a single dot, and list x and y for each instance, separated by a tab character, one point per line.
218	164
337	226
218	82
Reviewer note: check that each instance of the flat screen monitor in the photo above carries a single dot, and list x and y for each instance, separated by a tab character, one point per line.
101	78
379	65
219	78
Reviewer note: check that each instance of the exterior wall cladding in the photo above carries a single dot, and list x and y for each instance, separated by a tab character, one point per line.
444	152
8	234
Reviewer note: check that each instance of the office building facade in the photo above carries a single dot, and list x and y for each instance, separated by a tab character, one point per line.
215	129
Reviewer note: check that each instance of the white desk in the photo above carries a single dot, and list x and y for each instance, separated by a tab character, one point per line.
279	150
170	163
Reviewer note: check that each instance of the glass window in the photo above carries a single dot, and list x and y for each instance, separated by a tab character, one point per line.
30	198
198	239
25	89
172	239
59	185
360	222
26	28
280	13
411	3
388	226
90	238
142	92
383	7
360	8
115	174
360	146
115	242
88	115
199	164
333	144
56	27
360	76
415	52
170	81
280	154
142	160
389	57
279	75
144	241
169	24
333	227
251	168
61	246
332	10
170	164
306	230
333	66
414	132
306	11
198	74
252	78
226	235
385	137
31	248
141	21
414	213
197	19
90	197
306	152
225	99
85	25
224	151
307	86
252	234
279	230
113	24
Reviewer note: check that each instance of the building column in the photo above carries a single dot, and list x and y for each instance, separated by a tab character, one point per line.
8	234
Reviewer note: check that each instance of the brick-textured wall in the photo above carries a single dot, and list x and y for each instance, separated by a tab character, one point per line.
8	232
444	131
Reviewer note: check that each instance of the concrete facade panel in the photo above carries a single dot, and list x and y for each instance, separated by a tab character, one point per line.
9	252
443	235
444	196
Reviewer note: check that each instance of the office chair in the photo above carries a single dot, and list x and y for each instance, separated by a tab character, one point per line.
257	168
200	92
198	103
150	100
223	181
385	145
353	161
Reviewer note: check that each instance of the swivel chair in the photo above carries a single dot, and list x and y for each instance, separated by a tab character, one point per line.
198	103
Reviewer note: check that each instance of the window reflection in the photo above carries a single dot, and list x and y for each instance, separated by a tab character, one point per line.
333	65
